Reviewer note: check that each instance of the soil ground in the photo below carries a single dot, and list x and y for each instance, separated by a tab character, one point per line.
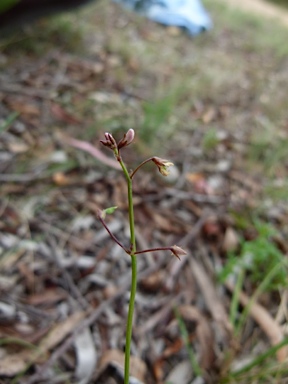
216	106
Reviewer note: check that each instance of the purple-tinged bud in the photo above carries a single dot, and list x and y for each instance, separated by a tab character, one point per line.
110	142
127	139
177	251
162	165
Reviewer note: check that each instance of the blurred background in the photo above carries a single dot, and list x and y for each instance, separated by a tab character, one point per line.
215	104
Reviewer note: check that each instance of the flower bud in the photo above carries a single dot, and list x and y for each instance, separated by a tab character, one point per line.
162	165
127	139
109	142
177	251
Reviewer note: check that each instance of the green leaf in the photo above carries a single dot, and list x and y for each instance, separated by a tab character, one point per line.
110	210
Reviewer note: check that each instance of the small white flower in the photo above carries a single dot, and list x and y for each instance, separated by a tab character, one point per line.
162	165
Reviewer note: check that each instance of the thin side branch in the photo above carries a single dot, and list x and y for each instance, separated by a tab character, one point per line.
153	250
112	236
139	166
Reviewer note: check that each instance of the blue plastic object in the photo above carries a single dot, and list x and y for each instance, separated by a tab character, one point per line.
187	14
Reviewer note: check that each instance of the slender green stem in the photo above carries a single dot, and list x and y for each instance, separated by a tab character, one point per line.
133	268
185	337
139	166
235	298
130	318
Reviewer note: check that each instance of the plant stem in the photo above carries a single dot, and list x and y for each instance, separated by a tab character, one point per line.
134	271
139	166
130	318
153	250
185	337
111	235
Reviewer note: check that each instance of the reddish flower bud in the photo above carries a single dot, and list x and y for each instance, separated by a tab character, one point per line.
109	142
162	165
177	251
127	139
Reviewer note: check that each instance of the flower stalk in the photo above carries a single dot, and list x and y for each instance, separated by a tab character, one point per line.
162	166
133	256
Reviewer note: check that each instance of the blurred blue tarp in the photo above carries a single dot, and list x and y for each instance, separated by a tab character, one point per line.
187	14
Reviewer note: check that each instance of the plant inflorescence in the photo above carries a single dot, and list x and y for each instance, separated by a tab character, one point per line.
163	167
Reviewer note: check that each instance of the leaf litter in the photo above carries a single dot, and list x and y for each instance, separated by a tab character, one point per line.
64	284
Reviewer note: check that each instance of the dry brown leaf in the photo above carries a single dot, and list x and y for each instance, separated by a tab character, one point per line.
163	223
62	180
12	364
180	373
209	115
18	147
60	331
248	182
194	178
153	282
194	208
211	298
11	259
158	371
24	108
116	358
26	272
15	363
171	350
63	115
200	183
47	297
